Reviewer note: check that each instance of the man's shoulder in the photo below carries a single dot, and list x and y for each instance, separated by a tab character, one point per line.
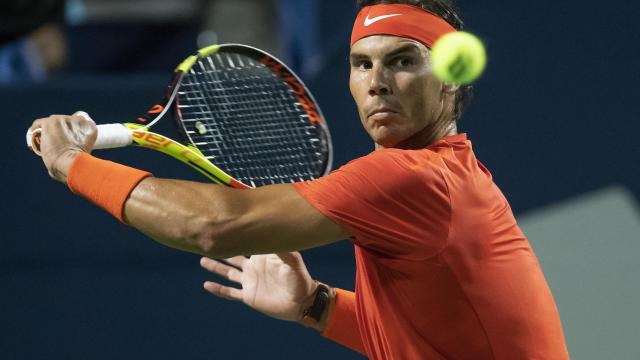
403	168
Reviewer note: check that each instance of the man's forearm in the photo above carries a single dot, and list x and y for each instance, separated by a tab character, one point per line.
208	219
221	222
182	214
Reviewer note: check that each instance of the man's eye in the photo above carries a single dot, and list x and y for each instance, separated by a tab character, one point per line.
364	64
403	62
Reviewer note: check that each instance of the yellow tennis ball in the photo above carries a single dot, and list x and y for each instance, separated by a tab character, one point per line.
458	58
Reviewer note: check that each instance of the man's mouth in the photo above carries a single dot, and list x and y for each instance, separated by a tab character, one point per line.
381	114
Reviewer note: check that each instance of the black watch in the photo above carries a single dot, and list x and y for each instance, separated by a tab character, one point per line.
319	303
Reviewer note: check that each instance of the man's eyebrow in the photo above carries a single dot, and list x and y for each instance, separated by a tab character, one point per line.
403	49
357	56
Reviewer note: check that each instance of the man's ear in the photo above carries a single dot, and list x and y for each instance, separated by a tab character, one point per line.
450	89
449	92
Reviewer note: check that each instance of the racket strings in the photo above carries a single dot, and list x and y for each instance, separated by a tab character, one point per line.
247	141
246	120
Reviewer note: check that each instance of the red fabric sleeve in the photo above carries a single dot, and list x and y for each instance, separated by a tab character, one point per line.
343	325
392	201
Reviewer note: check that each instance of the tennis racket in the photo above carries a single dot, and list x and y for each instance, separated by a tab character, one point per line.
242	117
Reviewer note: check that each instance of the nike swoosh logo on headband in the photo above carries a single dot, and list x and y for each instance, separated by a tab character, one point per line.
368	21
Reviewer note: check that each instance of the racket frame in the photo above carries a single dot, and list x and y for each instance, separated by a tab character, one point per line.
188	153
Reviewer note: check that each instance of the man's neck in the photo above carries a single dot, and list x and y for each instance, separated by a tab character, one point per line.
424	138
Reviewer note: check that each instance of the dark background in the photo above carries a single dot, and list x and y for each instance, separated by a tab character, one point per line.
555	116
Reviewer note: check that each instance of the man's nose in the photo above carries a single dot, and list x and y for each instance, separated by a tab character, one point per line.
379	81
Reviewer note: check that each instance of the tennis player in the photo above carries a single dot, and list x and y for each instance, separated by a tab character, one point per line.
443	270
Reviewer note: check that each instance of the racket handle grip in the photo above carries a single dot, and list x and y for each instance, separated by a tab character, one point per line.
113	136
109	136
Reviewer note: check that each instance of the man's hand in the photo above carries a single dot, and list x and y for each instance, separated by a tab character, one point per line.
62	139
277	285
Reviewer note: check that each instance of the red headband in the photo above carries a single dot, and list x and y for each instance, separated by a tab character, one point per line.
400	20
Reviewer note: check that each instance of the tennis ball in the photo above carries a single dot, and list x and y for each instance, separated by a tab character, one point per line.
458	58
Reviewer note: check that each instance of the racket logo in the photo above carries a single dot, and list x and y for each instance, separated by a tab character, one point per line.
152	139
155	110
301	93
171	147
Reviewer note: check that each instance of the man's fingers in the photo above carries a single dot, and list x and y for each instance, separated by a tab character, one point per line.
83	115
224	270
36	124
47	123
222	291
237	261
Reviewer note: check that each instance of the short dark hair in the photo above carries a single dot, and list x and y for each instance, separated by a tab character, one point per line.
448	11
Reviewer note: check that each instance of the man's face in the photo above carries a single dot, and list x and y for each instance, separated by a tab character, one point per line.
400	101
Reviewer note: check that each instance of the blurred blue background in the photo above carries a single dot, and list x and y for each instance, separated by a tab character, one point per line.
555	118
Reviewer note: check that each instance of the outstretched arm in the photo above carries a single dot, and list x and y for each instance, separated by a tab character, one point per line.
221	222
203	218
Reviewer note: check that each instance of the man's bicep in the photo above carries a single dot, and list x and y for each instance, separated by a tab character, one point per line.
278	218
